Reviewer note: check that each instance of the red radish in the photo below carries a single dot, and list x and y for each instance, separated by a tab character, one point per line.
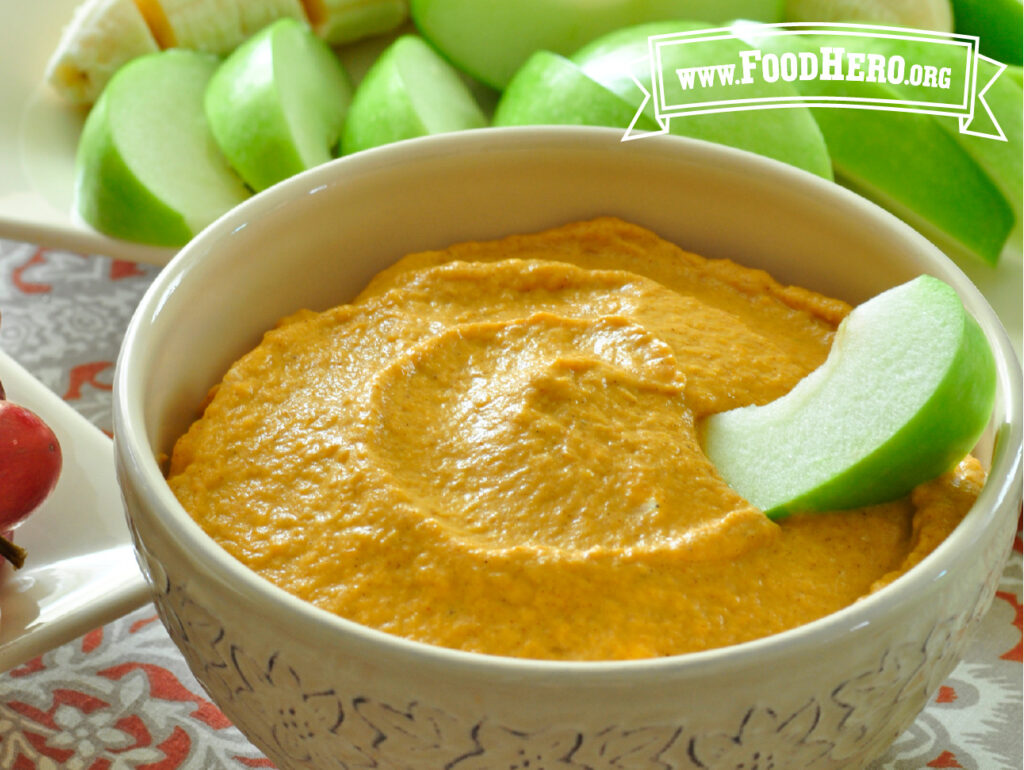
30	463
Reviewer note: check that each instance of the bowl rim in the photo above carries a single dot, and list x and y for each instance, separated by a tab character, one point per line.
136	460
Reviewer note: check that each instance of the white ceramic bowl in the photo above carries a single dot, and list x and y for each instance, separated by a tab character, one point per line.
316	691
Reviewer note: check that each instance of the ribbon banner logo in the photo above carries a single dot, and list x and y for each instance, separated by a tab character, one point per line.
751	66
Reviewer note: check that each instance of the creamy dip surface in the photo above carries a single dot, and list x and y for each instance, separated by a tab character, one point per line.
494	448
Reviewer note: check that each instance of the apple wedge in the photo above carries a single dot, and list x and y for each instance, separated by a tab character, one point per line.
789	135
344	21
1002	161
491	40
904	394
277	104
913	167
917	166
147	167
409	91
551	90
919	14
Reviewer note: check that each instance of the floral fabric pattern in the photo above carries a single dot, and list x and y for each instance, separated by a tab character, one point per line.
122	697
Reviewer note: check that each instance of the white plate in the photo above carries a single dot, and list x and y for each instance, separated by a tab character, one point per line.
38	136
81	570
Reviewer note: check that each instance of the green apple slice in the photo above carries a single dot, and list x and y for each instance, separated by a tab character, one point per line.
277	104
998	25
919	14
1002	161
344	21
790	135
147	167
913	167
491	40
409	91
904	394
912	164
549	89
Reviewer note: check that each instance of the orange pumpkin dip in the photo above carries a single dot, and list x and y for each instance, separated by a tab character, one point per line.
494	448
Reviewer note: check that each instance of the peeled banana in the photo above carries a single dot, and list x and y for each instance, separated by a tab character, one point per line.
104	34
213	26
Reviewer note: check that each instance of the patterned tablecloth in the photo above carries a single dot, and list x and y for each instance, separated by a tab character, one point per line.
121	696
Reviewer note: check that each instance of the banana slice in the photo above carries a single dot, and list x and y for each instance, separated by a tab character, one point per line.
344	21
213	26
102	35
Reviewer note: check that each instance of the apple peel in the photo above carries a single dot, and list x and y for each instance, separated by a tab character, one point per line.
276	105
905	393
409	91
147	167
551	89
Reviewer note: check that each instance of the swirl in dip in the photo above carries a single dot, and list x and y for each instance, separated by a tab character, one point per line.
494	448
